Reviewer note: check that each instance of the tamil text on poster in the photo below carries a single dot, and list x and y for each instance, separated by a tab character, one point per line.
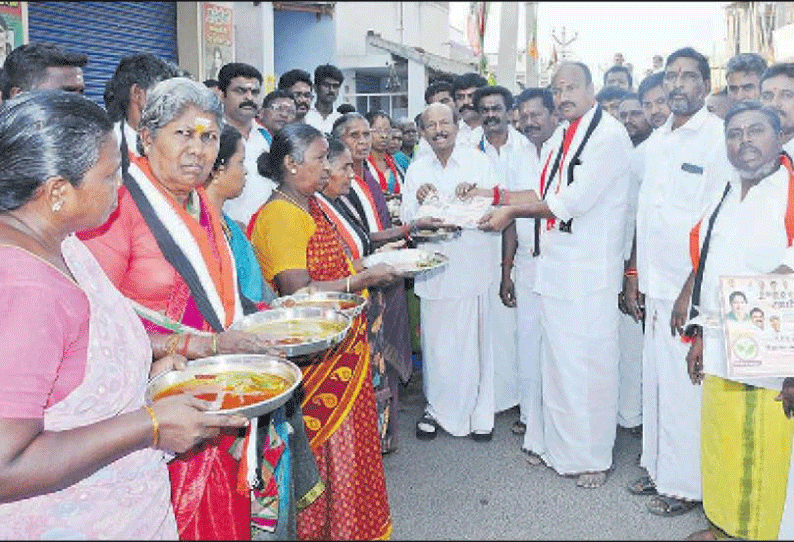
218	38
758	320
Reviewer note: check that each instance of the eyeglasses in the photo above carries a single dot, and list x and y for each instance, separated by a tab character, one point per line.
307	95
283	108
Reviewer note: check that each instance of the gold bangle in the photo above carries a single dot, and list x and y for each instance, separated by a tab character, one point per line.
347	284
171	343
155	426
214	344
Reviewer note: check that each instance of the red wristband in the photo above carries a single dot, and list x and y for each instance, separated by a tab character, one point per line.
496	195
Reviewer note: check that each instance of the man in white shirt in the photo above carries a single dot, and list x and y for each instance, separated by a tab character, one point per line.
747	436
457	360
241	85
328	80
470	124
777	92
512	158
125	94
538	121
299	83
578	277
684	166
630	113
278	109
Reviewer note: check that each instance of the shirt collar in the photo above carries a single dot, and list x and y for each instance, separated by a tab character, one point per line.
694	123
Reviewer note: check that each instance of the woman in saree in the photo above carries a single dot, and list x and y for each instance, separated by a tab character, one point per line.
165	249
359	243
380	161
77	359
298	248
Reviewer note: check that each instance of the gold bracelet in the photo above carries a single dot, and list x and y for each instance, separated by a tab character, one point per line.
214	344
155	426
347	284
171	343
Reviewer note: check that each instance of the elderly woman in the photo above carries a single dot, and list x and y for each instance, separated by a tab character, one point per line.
366	197
298	247
165	249
360	243
76	359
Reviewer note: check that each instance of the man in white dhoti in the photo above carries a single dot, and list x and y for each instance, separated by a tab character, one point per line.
512	157
578	271
457	360
685	164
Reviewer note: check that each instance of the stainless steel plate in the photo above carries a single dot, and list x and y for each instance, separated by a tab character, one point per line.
258	322
433	236
258	363
409	262
323	299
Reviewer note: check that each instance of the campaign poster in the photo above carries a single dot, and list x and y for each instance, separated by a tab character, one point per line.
218	42
12	27
758	321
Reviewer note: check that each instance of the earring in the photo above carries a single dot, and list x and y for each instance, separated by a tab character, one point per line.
293	171
57	206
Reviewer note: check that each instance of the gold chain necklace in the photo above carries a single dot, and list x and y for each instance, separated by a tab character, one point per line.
292	200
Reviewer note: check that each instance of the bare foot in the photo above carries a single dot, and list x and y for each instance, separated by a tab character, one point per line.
532	458
592	480
705	534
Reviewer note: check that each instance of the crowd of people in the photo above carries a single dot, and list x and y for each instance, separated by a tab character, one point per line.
581	293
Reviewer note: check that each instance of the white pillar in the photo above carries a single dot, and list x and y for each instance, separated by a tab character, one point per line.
531	63
417	82
508	36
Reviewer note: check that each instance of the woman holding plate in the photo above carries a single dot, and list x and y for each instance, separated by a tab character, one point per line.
388	332
76	360
298	247
164	247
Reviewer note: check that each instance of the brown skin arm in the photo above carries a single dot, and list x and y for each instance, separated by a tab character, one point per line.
34	461
633	300
497	219
290	281
507	288
786	395
694	360
679	315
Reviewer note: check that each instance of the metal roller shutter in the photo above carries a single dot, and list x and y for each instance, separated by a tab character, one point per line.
105	31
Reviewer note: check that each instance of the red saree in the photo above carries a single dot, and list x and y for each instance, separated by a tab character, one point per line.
206	502
340	419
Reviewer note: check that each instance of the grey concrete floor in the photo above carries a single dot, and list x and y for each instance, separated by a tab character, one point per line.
454	488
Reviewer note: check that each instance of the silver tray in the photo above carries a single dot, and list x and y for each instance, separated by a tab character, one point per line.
252	321
405	260
260	363
434	236
322	299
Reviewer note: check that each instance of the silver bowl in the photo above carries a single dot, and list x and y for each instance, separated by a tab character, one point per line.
259	363
260	319
322	299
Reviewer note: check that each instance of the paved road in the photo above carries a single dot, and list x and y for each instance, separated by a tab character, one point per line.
454	488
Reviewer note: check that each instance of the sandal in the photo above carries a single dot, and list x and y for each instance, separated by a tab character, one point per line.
532	458
426	427
663	505
642	486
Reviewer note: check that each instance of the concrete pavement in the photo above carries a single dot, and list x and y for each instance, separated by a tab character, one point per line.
454	488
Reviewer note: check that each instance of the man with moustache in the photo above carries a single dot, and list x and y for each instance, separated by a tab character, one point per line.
512	157
653	99
241	85
298	82
470	124
684	167
746	436
743	76
457	356
278	109
630	385
538	121
777	92
580	211
328	80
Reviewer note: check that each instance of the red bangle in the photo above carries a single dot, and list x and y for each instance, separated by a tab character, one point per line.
184	348
630	272
406	230
496	195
